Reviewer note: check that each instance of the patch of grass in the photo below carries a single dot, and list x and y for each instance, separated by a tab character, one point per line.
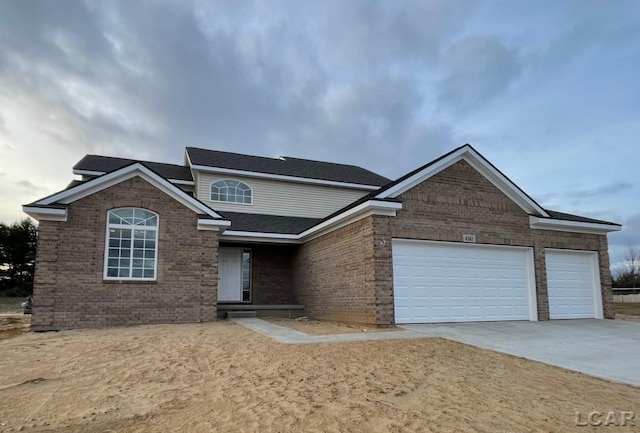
630	308
11	305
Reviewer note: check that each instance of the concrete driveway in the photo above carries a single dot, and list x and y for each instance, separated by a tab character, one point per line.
609	349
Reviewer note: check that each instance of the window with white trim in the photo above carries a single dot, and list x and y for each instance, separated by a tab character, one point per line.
231	191
131	244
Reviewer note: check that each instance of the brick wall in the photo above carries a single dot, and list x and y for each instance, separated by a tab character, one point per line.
272	274
69	290
459	200
334	274
347	275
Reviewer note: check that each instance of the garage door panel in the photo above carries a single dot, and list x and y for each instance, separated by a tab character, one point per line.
445	282
573	284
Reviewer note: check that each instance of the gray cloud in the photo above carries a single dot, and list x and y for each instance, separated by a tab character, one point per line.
144	79
605	190
30	187
479	68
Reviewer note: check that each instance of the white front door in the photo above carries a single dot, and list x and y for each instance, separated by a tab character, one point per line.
230	275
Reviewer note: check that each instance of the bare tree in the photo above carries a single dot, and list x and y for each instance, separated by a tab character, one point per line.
628	274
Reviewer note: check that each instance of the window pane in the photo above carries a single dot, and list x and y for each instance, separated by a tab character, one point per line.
139	243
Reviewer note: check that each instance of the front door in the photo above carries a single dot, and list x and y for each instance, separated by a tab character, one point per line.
230	275
234	275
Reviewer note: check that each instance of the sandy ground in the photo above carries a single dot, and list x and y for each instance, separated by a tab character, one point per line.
316	327
222	377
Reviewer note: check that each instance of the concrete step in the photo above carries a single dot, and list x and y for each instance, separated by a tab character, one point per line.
240	314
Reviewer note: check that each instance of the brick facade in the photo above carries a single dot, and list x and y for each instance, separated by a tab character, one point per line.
271	274
69	289
347	275
334	275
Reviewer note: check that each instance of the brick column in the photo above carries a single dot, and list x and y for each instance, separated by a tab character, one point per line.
542	293
209	276
605	279
45	279
383	271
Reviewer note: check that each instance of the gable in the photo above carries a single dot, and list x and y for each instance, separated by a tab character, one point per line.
54	207
473	158
460	190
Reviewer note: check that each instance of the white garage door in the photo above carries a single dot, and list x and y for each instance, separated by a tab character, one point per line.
573	284
449	282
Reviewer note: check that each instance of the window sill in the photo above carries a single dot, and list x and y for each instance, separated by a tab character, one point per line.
130	281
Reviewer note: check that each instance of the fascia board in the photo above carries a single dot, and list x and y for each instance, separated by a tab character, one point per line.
214	225
571	226
81	172
45	214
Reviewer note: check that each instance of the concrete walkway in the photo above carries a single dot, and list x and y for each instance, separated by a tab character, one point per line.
282	334
609	349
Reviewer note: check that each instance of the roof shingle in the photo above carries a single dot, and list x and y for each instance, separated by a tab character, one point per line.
286	166
108	164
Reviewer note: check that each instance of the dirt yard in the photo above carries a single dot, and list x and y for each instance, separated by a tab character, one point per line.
222	377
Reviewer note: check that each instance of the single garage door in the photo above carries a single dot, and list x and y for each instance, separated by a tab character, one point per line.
450	282
573	284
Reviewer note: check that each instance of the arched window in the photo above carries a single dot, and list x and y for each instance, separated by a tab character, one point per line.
231	191
131	245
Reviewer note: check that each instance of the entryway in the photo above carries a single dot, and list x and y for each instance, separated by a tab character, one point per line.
234	275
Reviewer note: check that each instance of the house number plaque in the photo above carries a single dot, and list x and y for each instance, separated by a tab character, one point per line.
468	238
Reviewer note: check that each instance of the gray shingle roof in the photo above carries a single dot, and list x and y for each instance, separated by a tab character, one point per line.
246	222
107	164
286	166
577	218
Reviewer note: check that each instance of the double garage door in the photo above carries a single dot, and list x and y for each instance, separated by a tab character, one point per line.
452	282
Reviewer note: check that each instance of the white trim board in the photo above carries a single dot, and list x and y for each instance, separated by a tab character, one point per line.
571	226
45	213
477	161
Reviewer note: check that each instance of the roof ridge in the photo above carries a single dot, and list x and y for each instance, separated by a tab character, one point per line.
129	159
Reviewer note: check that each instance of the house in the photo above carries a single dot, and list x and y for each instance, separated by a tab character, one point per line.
455	240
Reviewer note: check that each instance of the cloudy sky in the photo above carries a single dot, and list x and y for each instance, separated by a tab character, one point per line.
549	91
